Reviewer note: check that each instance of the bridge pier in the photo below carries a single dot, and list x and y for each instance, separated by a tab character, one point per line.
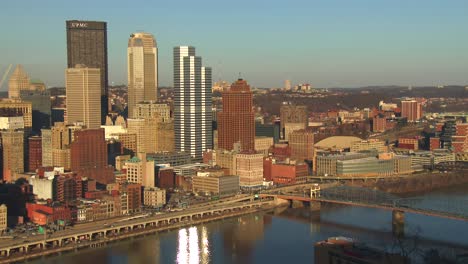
398	223
315	206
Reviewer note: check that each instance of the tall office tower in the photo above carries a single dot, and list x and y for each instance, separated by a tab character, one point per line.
46	147
89	155
35	153
293	117
412	110
13	154
236	122
142	58
19	80
87	45
83	93
192	103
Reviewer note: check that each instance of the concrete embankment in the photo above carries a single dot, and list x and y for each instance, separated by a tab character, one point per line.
101	242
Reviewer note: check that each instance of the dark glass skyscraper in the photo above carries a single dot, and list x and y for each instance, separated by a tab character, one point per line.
87	45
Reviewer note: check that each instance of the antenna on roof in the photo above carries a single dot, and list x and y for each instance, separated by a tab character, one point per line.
240	76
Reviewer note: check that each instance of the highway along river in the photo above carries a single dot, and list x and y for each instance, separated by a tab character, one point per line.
283	236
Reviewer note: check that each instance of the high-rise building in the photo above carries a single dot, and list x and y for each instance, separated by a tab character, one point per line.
35	153
192	103
19	80
89	155
236	122
87	45
142	57
294	117
83	93
412	110
13	154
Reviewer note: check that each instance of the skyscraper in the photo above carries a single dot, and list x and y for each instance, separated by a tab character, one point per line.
19	80
83	92
142	57
87	45
192	103
236	121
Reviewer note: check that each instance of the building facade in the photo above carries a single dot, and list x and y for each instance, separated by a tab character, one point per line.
83	96
216	185
249	167
236	121
13	154
3	218
145	130
153	109
88	153
16	107
87	45
296	115
192	103
412	110
46	148
368	145
154	197
263	144
142	58
19	81
35	153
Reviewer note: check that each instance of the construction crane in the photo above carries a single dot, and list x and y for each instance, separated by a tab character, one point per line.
5	75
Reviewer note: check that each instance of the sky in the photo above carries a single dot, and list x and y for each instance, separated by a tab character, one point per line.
327	43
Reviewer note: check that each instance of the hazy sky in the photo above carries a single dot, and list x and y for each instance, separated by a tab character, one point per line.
327	43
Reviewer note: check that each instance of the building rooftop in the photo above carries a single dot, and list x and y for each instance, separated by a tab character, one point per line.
339	142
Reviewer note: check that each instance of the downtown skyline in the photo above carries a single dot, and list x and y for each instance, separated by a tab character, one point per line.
328	44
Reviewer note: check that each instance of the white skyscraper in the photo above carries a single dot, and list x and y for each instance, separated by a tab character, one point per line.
142	55
192	103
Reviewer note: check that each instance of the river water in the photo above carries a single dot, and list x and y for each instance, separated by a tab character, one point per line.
283	236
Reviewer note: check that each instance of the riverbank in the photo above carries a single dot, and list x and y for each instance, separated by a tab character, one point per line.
104	241
417	183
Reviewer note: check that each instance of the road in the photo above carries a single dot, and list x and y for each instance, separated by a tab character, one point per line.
116	222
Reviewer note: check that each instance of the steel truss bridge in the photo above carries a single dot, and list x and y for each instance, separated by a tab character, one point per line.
365	197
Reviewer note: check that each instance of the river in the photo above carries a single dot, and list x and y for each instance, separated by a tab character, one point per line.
284	236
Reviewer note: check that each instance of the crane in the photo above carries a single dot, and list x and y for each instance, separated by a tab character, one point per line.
5	75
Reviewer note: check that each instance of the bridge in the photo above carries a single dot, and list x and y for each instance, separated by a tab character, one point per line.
364	197
91	233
